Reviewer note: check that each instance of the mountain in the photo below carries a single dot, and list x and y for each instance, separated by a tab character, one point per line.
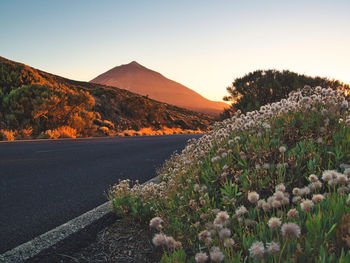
139	79
36	102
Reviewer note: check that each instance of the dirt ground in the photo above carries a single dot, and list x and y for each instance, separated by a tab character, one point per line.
123	241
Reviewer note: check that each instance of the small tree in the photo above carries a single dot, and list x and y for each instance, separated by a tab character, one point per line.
266	86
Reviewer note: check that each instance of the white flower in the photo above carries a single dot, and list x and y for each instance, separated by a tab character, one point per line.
280	188
224	233
241	211
159	240
317	198
273	248
257	250
313	178
290	231
253	197
282	149
156	223
274	223
229	242
292	214
306	205
216	255
201	257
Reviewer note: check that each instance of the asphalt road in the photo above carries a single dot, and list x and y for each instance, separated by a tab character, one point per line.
44	184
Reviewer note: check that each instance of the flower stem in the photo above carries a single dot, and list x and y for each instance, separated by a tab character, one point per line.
283	248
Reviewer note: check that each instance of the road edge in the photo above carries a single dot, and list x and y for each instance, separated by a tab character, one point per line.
72	235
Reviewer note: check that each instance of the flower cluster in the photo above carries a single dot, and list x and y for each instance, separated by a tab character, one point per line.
259	186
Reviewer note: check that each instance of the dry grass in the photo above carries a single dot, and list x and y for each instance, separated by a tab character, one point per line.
60	132
149	131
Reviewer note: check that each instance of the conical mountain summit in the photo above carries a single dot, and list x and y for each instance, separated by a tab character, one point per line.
139	79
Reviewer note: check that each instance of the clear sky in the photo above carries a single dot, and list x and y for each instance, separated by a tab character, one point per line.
202	44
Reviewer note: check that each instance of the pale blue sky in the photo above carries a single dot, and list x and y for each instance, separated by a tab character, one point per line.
204	45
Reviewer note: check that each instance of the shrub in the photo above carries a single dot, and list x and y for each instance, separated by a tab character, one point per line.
261	87
60	132
269	185
27	133
7	135
104	129
45	107
66	132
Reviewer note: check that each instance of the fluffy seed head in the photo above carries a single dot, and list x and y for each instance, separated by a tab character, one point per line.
216	255
229	242
257	250
270	199
306	205
221	218
261	203
172	244
282	149
290	231
156	223
347	171
343	190
332	182
276	204
296	199
280	187
241	211
318	185
274	223
273	248
201	257
253	197
285	201
224	233
313	178
159	240
293	214
305	191
196	187
203	235
279	195
317	198
342	179
266	207
296	191
327	175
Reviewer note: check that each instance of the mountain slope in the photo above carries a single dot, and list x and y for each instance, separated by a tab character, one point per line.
114	108
139	79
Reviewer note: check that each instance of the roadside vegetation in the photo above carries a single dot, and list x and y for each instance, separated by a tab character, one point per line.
271	185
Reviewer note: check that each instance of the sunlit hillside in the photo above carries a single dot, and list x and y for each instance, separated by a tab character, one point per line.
36	104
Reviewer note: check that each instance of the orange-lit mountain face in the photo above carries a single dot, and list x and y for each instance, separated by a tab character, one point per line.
139	79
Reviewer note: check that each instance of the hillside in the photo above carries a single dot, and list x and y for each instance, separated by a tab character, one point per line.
141	80
271	185
34	101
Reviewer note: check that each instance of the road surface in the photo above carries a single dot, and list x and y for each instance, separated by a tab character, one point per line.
44	184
